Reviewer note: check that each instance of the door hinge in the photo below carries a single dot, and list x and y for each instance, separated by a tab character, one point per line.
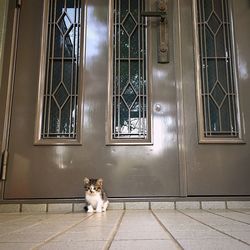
18	3
4	165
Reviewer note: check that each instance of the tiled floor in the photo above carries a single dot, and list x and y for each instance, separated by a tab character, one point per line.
128	229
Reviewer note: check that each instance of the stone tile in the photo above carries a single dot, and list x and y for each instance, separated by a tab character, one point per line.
116	206
136	205
222	224
207	218
212	244
144	244
238	204
187	205
10	217
21	237
34	208
107	219
242	235
142	235
60	208
138	230
24	221
79	207
174	218
183	227
203	233
9	208
162	205
241	217
140	225
213	205
90	233
17	246
243	211
72	245
98	227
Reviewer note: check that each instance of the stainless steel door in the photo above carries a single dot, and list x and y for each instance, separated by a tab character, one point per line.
57	171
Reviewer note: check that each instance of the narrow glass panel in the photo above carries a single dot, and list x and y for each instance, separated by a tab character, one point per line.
130	87
134	44
211	74
225	118
56	77
124	43
214	117
220	46
123	76
219	98
59	116
134	76
209	38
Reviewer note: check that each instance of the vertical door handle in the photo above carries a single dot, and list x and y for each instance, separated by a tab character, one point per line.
162	44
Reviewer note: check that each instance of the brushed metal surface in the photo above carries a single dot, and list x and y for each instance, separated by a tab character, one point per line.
58	171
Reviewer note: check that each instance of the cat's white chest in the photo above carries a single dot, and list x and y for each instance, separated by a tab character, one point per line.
94	199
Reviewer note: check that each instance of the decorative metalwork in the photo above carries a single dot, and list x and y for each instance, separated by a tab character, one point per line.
60	97
218	85
130	118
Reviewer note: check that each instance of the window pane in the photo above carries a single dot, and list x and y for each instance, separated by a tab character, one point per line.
130	87
216	63
62	70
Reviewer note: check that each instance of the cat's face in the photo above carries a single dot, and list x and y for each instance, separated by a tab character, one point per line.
93	186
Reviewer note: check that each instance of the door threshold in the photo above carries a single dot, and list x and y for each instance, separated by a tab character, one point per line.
77	205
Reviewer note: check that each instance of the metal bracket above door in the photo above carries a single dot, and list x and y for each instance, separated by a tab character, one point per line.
162	46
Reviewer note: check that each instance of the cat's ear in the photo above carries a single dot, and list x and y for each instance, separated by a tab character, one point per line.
86	181
99	182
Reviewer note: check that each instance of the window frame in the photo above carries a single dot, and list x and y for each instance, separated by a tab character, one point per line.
220	139
38	140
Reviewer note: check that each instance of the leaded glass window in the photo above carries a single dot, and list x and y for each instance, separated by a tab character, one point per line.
130	104
218	87
60	90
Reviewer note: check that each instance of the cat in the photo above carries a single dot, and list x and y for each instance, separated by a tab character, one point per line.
95	196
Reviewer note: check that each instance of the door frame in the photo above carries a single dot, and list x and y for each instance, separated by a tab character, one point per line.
8	78
177	37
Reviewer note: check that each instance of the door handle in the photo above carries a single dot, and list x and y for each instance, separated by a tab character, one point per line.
162	44
160	14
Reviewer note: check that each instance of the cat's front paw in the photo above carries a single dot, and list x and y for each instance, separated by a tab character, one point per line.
98	210
90	209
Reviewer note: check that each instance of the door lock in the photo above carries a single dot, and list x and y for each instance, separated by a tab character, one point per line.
162	44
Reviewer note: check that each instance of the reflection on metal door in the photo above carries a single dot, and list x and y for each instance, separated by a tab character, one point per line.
131	169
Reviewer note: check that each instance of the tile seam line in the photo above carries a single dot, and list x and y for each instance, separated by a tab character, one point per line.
115	230
60	233
26	227
16	220
166	230
214	228
223	216
239	211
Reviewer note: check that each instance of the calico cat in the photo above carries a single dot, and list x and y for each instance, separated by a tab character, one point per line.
95	196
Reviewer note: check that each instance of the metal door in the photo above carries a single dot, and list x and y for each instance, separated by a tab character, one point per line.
129	170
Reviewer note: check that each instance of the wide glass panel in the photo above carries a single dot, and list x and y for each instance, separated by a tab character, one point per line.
130	86
218	91
60	105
